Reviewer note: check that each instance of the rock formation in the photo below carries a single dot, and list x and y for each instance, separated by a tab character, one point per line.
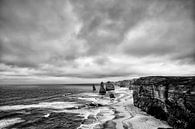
102	90
167	98
124	83
93	87
109	86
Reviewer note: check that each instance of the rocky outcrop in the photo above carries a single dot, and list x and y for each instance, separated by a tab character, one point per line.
124	83
102	90
109	86
167	98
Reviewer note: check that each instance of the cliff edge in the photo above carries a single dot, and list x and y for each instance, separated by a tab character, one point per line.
168	98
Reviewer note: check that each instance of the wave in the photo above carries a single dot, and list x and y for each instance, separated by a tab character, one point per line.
50	105
92	117
7	122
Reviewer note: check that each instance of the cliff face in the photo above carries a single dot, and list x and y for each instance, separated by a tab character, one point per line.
167	98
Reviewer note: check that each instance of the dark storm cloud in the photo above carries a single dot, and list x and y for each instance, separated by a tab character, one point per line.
96	38
175	40
106	23
35	31
171	33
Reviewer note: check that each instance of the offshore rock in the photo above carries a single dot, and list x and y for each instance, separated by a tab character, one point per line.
167	98
93	88
109	86
102	90
109	125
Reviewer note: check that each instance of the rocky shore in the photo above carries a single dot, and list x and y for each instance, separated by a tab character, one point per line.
167	98
102	113
143	103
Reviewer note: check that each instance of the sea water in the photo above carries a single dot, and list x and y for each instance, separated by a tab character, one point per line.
40	106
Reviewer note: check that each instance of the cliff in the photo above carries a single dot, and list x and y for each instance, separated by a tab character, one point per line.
167	98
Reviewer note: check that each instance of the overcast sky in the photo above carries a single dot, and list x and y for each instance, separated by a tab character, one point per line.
76	41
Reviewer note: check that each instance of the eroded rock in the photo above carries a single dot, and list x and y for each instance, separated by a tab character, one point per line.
167	98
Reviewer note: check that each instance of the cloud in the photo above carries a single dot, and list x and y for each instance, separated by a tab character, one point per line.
141	28
35	32
95	39
161	38
106	22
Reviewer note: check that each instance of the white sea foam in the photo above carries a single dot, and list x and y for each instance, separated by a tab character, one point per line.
105	114
102	114
47	115
7	122
89	94
52	105
104	101
121	90
88	99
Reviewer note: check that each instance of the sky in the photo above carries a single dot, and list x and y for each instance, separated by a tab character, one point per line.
86	41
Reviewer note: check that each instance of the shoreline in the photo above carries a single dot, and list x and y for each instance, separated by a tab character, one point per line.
124	116
94	111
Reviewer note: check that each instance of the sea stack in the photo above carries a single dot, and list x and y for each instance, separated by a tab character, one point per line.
102	91
109	86
94	89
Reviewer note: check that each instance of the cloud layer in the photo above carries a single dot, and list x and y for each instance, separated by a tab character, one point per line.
91	40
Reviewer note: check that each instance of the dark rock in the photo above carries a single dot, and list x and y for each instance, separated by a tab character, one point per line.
109	86
109	125
112	95
94	89
102	91
92	104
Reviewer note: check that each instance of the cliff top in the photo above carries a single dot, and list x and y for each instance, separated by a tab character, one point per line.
165	80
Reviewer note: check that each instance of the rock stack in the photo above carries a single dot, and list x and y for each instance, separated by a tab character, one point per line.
94	89
109	86
102	90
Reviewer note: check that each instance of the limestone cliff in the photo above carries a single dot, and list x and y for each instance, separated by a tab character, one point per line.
167	98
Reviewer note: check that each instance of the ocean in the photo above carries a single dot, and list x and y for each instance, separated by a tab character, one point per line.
70	107
40	106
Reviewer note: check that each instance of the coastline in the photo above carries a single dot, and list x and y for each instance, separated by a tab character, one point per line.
93	112
122	114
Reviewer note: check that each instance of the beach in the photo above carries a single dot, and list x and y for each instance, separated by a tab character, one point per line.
122	114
